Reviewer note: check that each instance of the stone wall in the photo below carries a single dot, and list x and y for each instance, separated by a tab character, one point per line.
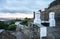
53	33
6	35
55	9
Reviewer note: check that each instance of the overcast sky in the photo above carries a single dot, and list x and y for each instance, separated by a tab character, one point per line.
23	5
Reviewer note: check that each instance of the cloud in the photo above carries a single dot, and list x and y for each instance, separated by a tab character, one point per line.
23	5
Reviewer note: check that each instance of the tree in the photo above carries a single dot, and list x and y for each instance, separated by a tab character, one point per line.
25	22
3	25
11	22
7	26
12	27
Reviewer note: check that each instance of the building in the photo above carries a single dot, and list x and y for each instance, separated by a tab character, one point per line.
53	32
54	7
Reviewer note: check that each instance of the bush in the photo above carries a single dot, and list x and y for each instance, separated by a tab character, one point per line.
3	25
12	27
25	22
7	26
11	22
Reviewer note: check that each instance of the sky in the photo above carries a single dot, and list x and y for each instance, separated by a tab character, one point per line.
15	15
23	6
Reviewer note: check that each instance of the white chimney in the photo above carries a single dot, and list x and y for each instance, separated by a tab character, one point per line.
37	19
52	19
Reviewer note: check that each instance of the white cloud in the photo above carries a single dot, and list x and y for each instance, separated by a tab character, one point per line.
15	15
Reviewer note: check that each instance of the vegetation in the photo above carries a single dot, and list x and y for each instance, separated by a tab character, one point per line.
11	24
25	22
8	26
12	27
18	20
3	25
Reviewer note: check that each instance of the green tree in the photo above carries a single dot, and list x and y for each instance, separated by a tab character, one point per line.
11	22
3	25
12	27
25	22
7	26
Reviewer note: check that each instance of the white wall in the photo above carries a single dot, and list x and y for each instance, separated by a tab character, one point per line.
52	19
37	19
43	31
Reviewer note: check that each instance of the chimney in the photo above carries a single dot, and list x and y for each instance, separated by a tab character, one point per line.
34	15
40	11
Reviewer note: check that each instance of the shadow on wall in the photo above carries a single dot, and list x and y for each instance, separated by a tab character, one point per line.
45	24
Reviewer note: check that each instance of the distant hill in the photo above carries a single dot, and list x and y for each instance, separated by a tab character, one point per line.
55	2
